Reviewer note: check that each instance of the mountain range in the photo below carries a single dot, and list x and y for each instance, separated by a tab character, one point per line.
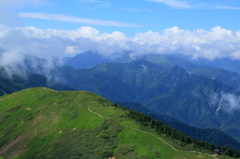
172	91
196	97
224	70
159	85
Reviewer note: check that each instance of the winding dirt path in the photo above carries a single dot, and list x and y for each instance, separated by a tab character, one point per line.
155	137
95	113
214	156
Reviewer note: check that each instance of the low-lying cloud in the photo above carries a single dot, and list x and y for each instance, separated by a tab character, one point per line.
227	102
230	102
215	43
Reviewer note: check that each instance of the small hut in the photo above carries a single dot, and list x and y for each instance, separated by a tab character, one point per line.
216	151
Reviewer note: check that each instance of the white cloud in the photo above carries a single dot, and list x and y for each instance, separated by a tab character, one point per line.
173	3
225	101
71	49
10	60
66	18
225	7
210	44
230	102
184	5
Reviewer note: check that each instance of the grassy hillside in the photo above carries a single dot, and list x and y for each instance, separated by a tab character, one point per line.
42	123
213	136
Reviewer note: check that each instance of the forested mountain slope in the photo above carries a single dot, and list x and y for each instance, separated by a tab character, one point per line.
13	83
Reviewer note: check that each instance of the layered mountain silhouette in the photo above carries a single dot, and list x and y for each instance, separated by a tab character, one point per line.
204	99
13	83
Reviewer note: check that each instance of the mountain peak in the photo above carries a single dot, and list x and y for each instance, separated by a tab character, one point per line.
176	76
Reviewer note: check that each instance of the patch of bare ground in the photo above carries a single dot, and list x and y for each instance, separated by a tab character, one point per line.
55	118
13	148
38	119
111	158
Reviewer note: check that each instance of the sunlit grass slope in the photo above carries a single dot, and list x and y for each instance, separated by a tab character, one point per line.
41	123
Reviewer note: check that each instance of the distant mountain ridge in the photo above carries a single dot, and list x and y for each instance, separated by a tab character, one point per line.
161	87
10	84
172	91
224	70
85	60
90	59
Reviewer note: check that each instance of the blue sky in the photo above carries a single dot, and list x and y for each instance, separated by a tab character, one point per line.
45	28
132	16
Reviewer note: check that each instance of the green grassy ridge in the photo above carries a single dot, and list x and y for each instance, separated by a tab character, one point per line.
43	123
213	136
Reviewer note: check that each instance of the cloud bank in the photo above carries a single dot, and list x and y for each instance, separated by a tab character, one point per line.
214	43
15	42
